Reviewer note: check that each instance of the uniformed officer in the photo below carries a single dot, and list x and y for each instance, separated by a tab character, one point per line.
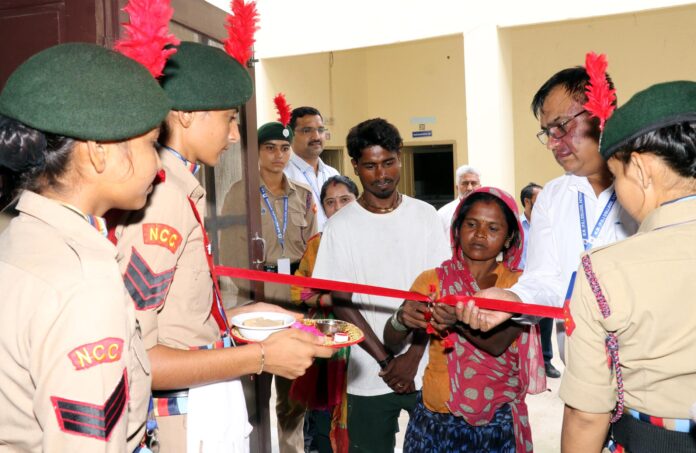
288	213
164	255
633	300
78	124
288	220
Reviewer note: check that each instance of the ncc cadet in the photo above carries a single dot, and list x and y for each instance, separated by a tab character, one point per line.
633	301
163	254
288	220
74	375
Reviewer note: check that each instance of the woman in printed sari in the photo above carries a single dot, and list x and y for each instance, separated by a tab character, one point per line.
475	383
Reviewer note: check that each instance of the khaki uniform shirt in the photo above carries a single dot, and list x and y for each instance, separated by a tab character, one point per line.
649	284
162	258
302	225
74	375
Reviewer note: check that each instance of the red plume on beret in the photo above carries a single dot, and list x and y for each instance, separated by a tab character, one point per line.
241	26
283	108
601	99
147	34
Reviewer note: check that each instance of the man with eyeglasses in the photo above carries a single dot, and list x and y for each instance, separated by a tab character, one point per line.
575	212
305	164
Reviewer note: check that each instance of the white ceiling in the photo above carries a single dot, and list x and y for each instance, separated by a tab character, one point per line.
294	27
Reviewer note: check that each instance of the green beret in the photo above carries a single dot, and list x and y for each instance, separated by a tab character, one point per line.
658	106
200	77
86	92
274	131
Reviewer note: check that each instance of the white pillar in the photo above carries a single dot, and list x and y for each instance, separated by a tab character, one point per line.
489	106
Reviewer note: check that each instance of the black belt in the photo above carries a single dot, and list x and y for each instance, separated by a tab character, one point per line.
178	393
637	436
271	268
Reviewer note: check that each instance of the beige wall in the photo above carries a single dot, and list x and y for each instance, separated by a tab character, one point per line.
397	82
642	49
427	78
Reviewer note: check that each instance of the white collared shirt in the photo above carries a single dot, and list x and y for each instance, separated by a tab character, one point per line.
299	170
446	213
525	226
555	239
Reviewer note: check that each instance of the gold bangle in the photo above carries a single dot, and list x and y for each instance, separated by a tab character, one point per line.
263	359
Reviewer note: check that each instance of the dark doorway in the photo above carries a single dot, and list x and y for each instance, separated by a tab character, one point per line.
428	173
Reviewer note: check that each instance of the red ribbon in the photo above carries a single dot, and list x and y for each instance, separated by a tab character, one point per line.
543	311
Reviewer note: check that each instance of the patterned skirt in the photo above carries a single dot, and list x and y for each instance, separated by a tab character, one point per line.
432	432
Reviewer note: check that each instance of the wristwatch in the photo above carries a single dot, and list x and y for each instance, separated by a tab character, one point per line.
384	362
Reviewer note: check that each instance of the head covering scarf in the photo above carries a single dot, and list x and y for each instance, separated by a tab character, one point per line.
480	383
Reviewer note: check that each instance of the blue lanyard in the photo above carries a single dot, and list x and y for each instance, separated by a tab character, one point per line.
309	182
586	240
279	234
191	166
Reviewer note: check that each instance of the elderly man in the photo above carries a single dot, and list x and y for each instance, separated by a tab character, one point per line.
468	180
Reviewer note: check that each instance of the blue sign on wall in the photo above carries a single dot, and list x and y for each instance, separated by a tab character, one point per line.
416	134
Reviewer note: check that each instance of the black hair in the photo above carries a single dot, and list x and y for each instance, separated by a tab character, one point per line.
574	81
299	112
338	179
33	160
674	144
527	191
513	232
374	132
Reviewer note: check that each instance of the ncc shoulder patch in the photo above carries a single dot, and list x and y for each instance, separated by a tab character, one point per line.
91	420
162	235
91	354
146	287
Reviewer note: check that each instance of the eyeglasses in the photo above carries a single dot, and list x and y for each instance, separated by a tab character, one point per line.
311	130
556	131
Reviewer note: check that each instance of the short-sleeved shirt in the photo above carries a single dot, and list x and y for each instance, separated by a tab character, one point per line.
302	225
74	374
648	282
163	262
387	250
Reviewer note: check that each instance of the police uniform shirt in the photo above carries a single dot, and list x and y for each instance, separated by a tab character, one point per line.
164	266
74	375
648	282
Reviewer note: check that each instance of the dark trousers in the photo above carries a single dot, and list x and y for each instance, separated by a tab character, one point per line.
545	329
373	421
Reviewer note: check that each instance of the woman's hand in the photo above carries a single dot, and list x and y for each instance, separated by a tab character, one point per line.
444	317
414	314
290	352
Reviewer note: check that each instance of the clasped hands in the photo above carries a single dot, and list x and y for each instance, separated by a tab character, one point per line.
417	315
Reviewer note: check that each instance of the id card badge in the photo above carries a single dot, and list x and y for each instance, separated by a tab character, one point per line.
284	266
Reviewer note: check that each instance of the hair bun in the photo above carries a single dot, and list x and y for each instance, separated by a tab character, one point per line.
21	147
